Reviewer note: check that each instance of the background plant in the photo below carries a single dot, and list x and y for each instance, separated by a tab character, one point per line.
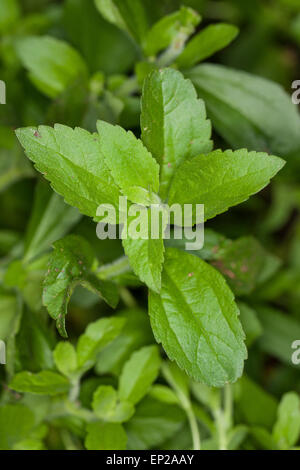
110	386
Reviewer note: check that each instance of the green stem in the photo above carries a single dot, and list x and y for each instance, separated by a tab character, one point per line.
74	390
127	298
194	428
115	269
223	418
228	411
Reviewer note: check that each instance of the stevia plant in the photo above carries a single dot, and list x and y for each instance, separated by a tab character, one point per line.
187	298
155	346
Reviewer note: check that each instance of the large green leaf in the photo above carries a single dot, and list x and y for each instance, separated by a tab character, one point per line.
91	34
220	180
52	64
72	161
173	122
196	320
259	114
280	330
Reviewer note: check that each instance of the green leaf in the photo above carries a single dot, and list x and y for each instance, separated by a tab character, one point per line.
71	160
153	423
107	406
136	334
286	430
65	358
250	323
206	43
279	332
8	313
221	180
255	406
96	336
34	342
16	421
42	383
241	261
105	436
129	15
146	257
133	168
259	114
138	374
177	26
52	64
50	220
29	444
173	122
10	13
196	303
13	165
70	264
91	34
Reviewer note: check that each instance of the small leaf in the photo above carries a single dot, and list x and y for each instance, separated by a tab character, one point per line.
65	358
178	25
96	336
220	180
136	334
71	264
153	423
196	320
139	373
173	122
107	406
52	64
206	43
42	383
133	168
105	436
286	430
